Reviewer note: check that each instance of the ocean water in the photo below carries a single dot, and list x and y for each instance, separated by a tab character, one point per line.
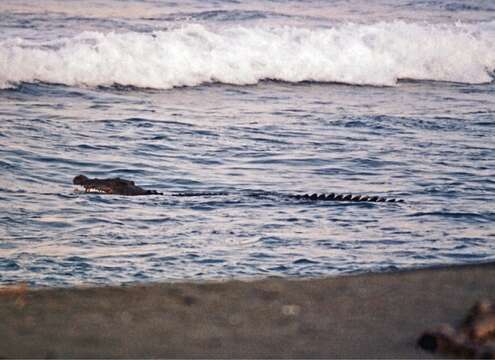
384	97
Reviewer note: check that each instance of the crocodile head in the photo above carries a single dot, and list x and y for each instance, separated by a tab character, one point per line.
114	186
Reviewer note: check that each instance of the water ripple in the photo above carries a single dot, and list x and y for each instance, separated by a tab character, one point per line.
430	143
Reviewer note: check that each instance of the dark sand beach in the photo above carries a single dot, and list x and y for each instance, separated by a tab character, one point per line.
371	315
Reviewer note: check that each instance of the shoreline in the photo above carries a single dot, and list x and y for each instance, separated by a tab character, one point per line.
365	315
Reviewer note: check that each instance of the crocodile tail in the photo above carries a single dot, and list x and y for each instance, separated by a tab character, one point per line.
345	197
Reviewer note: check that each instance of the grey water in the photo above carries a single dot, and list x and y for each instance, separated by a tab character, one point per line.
228	119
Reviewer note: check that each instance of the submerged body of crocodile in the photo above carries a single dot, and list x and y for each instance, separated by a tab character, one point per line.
117	186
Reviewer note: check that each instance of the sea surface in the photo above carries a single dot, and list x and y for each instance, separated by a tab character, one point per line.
385	97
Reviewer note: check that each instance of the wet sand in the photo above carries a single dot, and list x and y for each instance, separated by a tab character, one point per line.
371	315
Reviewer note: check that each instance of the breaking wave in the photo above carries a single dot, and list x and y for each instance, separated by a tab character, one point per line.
371	54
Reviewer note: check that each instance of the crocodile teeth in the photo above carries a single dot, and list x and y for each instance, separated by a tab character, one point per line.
91	189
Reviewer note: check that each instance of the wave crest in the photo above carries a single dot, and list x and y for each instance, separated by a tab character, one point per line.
372	54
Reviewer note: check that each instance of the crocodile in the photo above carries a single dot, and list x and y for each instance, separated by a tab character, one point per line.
118	186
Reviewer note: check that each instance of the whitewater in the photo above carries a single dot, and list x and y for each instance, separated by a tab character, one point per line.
372	54
382	97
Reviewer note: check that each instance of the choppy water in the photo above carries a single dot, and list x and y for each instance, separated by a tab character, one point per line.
389	98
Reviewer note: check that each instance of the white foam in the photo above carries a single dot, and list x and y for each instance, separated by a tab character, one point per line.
372	54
